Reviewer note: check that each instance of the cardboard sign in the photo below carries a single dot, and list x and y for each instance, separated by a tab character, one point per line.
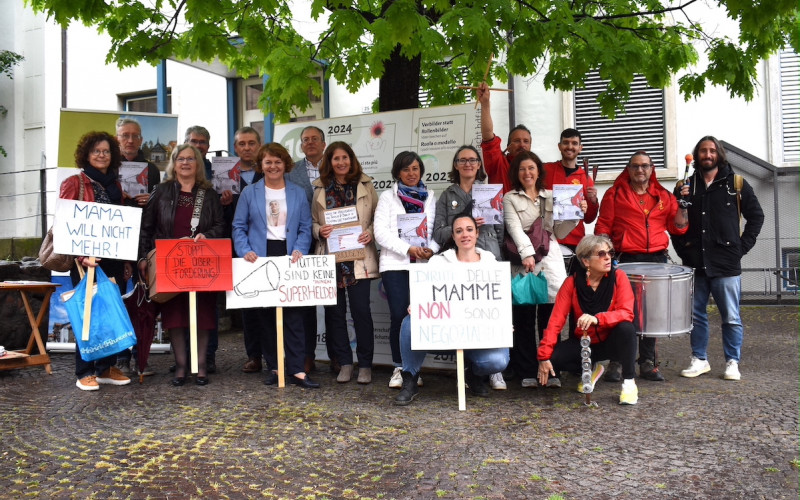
186	265
460	306
276	282
96	230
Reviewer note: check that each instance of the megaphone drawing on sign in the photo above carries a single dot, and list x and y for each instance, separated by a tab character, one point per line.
264	278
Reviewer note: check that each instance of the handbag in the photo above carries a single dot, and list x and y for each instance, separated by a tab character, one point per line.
540	239
152	278
110	328
529	289
47	257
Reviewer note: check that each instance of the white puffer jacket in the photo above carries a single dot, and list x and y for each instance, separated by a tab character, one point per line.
394	251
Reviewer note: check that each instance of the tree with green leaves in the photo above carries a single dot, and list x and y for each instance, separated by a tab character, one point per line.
435	45
8	60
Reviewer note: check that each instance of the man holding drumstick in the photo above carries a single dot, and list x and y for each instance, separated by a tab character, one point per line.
714	246
636	213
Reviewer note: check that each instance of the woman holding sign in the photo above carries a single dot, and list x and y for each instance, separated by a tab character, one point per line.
525	205
403	222
273	219
342	184
462	248
600	296
170	214
466	172
99	158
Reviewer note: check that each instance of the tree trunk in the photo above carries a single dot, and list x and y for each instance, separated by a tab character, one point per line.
399	87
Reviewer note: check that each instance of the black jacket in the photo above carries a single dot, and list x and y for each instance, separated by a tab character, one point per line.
713	244
159	215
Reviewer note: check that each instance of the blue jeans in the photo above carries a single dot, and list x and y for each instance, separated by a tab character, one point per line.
727	292
395	284
482	361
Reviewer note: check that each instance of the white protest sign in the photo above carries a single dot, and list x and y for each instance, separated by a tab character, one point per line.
276	282
343	215
96	230
460	306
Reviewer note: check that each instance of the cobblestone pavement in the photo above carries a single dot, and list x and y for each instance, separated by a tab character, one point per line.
236	438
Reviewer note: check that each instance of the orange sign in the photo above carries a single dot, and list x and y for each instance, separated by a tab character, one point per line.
186	265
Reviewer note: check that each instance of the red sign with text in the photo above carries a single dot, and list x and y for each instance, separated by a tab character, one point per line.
186	265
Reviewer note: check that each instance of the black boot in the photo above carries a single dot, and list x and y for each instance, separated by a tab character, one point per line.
409	390
477	384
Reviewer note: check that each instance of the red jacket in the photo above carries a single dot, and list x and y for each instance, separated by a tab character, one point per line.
632	230
496	163
554	173
621	309
71	187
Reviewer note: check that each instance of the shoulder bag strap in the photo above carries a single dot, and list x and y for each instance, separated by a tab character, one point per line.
198	206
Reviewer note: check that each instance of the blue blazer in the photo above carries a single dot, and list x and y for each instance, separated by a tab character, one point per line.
250	220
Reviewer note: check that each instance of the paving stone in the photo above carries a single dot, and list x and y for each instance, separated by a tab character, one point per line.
236	438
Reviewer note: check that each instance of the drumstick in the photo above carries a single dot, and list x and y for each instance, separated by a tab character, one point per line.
689	158
486	75
496	89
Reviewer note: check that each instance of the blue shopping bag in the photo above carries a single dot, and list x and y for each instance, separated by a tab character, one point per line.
529	289
110	329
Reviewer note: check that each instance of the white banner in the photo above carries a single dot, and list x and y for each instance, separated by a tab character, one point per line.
434	133
276	282
460	306
96	230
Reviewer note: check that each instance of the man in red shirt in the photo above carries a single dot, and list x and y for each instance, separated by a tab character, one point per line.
567	171
495	160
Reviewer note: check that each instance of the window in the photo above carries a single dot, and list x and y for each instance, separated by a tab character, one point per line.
609	144
791	263
144	102
790	105
251	95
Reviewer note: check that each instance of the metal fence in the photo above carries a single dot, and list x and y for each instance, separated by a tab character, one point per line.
14	202
770	269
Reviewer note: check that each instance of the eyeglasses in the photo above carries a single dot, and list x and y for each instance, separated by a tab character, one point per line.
471	161
643	166
101	152
130	137
198	142
603	253
185	160
307	140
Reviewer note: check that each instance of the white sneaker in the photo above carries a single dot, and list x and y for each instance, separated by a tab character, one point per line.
732	370
396	382
496	382
697	367
530	382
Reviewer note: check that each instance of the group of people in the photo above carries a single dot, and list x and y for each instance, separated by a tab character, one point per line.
281	210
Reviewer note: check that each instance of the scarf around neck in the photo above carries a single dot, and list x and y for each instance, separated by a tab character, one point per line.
107	180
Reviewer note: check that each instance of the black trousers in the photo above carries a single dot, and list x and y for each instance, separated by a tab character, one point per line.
647	345
527	321
619	346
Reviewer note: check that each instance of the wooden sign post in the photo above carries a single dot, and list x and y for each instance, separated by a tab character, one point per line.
187	265
277	282
460	306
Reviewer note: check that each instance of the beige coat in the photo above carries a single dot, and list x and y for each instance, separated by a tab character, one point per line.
366	201
519	213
